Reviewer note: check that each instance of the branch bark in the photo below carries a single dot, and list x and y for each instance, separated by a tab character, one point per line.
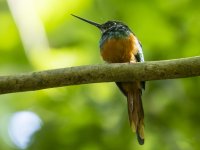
152	70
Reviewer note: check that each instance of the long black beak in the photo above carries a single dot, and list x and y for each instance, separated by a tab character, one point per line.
88	21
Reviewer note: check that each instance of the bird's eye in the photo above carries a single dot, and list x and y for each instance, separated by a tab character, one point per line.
110	23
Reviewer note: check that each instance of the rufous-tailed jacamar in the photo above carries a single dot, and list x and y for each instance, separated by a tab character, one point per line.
118	44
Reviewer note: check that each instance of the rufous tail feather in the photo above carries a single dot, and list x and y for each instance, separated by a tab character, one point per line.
136	113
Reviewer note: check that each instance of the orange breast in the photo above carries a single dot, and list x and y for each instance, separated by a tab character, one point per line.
119	50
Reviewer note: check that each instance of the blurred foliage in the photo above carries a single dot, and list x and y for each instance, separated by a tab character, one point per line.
94	116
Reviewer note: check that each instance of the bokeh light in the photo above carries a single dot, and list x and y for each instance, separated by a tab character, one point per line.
22	126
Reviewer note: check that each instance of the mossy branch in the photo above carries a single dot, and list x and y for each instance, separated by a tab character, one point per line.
152	70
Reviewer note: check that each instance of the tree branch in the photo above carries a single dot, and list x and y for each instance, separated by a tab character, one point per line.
153	70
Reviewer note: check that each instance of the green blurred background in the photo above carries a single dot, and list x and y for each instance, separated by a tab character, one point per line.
40	34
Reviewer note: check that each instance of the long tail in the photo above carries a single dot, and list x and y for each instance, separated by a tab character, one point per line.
136	112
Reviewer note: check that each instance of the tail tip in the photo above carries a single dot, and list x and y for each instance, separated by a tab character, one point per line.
140	139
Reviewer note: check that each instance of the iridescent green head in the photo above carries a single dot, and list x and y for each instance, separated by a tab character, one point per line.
109	29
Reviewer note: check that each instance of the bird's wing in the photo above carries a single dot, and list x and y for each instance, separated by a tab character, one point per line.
140	58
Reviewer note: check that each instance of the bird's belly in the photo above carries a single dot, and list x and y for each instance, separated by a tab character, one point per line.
119	50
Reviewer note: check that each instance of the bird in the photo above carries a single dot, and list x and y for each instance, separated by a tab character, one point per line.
118	44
